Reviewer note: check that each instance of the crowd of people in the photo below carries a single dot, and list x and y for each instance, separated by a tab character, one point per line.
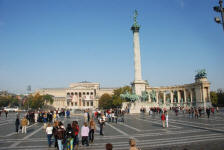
67	137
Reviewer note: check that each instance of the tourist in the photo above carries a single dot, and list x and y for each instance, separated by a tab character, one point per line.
85	134
75	128
112	116
17	123
88	115
163	118
213	110
60	136
92	127
116	115
69	137
49	131
102	122
67	114
24	124
36	117
208	111
6	114
132	145
199	110
55	128
85	116
109	146
217	109
166	115
196	113
45	120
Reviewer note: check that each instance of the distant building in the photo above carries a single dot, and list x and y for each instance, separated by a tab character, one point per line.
80	95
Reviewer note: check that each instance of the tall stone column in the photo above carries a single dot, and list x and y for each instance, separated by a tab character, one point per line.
178	96
164	97
171	97
138	84
157	97
191	95
185	96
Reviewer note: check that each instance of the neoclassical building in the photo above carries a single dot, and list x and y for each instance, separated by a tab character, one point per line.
80	95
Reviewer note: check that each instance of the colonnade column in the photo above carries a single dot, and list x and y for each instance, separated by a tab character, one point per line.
185	96
157	97
171	97
191	95
178	96
164	97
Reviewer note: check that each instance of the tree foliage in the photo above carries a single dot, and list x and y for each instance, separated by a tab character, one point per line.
217	97
112	101
37	101
105	101
8	101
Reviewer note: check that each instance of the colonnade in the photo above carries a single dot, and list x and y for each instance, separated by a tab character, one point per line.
176	95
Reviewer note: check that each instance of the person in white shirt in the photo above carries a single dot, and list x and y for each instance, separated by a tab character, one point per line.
36	117
49	131
166	119
85	134
85	116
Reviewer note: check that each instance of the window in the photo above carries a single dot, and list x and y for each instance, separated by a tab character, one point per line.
87	103
76	93
83	93
80	94
91	93
75	103
72	103
72	93
83	103
87	93
91	103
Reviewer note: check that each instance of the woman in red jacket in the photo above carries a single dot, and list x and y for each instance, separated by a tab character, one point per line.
163	118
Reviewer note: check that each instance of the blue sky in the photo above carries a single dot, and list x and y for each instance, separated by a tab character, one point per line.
52	43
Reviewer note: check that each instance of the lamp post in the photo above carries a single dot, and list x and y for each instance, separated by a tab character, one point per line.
219	9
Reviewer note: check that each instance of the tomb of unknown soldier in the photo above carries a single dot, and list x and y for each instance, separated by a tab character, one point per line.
85	95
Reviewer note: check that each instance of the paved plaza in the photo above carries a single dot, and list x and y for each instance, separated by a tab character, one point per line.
183	132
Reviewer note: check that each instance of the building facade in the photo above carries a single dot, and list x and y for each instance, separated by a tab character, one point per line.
82	95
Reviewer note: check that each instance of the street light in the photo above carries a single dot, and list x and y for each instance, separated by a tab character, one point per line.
219	9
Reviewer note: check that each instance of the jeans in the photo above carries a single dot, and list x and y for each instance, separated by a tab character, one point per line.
49	139
101	129
91	135
60	145
85	140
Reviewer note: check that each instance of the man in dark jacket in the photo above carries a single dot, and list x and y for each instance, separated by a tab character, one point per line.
17	123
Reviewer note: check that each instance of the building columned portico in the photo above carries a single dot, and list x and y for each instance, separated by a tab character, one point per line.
82	95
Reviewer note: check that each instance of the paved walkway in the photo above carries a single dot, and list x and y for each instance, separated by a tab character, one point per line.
183	132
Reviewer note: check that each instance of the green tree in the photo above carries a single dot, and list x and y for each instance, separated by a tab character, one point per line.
220	95
214	98
38	101
117	101
106	101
